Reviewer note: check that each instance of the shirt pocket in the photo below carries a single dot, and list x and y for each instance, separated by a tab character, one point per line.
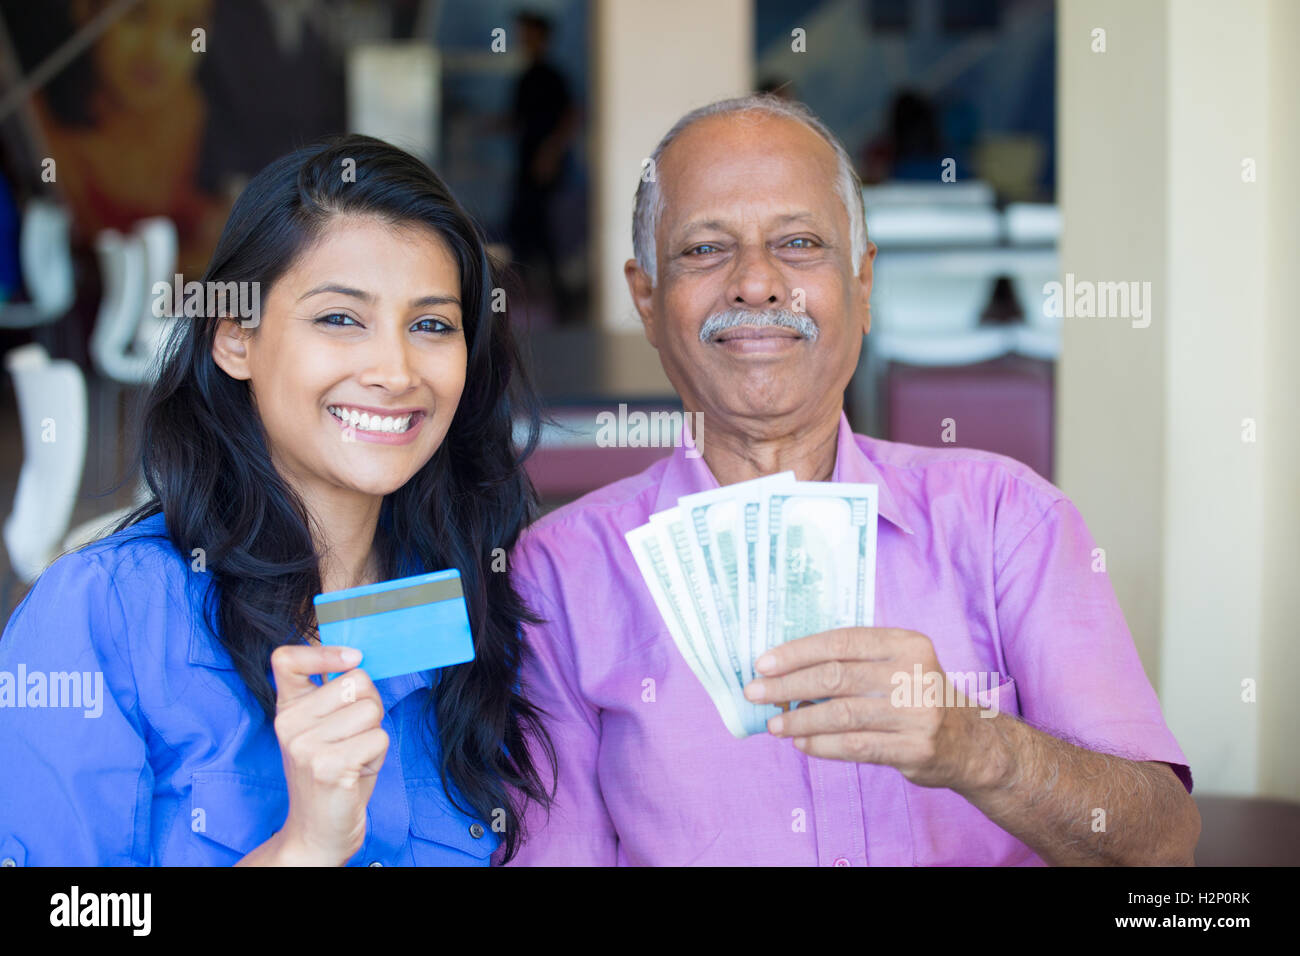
442	835
236	811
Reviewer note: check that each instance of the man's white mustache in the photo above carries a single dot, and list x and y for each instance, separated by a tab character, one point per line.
782	318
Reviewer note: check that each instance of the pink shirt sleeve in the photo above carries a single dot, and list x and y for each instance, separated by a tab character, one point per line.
579	831
1066	642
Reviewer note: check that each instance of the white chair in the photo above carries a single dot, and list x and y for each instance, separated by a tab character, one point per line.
932	226
123	267
159	238
1032	223
930	292
957	348
45	255
128	339
970	192
52	412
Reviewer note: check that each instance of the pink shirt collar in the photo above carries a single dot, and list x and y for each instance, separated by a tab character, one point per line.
685	476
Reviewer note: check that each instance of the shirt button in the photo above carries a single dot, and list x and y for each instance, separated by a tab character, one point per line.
375	863
8	861
842	861
476	830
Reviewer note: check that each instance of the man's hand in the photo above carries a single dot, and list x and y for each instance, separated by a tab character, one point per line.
932	745
1042	790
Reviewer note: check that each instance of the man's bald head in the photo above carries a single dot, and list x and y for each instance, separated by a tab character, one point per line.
649	196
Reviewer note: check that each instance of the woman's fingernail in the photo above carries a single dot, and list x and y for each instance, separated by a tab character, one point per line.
351	656
774	725
754	691
765	663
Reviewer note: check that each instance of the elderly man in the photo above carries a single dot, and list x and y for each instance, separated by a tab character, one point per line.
753	277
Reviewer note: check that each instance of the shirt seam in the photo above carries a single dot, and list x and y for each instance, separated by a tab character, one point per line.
1047	512
121	638
568	665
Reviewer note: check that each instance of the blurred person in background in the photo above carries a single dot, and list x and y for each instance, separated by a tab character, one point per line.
545	123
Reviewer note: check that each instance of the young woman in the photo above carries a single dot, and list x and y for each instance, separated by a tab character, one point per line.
359	428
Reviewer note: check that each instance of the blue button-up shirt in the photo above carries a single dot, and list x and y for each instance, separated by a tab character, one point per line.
127	737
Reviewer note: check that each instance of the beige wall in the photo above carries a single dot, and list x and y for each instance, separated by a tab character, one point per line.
1111	182
1199	526
1279	442
652	63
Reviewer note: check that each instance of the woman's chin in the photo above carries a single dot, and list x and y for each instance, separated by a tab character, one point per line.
374	485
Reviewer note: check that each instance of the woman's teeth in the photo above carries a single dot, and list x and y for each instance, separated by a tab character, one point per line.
371	423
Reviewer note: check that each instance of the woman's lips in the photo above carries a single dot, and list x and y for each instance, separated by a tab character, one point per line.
355	432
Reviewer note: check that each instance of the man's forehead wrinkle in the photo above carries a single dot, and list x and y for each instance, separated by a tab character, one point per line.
677	162
724	223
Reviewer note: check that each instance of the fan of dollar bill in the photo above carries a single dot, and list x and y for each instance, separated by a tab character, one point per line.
738	570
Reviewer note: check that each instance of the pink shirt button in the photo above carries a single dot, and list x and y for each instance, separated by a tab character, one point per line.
842	861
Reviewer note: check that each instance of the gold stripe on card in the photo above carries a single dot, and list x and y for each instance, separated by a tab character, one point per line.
345	609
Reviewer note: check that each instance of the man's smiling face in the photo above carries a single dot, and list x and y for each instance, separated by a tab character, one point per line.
751	222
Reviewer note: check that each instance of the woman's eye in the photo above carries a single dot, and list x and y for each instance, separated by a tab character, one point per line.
336	319
433	325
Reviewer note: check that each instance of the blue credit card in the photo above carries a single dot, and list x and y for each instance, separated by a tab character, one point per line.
401	626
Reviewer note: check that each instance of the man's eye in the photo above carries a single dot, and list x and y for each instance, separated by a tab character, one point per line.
808	243
336	319
702	249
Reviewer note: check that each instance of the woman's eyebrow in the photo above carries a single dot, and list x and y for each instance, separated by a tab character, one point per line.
369	298
435	300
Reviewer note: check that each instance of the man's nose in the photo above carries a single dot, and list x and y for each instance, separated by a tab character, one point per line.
756	281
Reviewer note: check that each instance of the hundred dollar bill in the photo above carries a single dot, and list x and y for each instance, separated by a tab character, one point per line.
656	560
822	544
821	539
717	519
720	641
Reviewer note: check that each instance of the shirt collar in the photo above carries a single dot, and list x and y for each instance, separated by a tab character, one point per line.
684	476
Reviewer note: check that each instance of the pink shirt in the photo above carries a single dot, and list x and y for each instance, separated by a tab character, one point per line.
975	550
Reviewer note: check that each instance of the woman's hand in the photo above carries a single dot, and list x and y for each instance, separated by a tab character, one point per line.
332	746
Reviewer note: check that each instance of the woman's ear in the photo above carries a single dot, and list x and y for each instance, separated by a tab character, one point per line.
230	348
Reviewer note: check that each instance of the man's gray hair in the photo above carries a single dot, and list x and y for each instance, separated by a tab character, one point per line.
649	198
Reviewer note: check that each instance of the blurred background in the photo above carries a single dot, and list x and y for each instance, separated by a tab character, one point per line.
1003	145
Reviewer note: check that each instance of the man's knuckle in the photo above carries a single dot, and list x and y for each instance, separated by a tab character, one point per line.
845	714
833	676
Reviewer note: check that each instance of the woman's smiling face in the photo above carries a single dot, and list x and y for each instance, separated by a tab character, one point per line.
358	362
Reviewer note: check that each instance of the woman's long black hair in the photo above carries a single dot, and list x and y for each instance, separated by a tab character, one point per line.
205	458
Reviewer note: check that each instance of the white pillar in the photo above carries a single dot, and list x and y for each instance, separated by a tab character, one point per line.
1200	527
652	62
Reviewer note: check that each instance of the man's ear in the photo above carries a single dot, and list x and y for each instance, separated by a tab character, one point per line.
643	290
864	277
230	348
